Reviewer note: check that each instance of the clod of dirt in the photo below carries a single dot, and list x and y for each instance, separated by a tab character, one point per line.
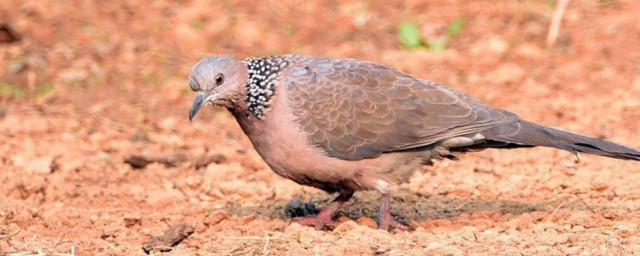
625	230
171	237
366	221
214	219
8	34
297	208
54	166
138	161
140	137
169	160
132	220
206	160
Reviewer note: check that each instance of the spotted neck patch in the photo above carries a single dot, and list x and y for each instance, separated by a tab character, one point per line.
260	88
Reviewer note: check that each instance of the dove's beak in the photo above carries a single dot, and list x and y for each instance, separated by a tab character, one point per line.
198	101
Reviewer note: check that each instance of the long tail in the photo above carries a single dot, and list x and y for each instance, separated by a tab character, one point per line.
527	134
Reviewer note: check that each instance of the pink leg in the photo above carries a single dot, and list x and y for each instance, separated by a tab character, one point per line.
325	217
385	220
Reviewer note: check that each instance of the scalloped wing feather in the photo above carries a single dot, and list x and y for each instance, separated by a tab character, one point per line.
355	109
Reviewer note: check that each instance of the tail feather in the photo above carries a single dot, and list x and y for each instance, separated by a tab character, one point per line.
528	134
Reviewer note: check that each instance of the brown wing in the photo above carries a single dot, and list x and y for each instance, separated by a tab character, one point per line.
355	109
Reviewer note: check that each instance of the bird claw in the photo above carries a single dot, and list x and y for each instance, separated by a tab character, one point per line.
318	222
396	225
387	222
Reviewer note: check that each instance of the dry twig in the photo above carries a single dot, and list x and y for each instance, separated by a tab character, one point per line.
550	218
554	28
171	237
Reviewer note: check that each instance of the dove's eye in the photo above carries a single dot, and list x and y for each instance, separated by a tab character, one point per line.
219	79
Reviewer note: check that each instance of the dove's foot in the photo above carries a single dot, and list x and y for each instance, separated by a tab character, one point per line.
385	220
324	218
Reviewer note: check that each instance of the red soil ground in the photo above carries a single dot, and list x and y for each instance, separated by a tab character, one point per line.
89	83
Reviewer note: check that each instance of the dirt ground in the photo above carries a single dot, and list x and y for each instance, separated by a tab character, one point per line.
87	84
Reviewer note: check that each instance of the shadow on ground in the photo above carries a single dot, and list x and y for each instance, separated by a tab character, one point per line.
406	206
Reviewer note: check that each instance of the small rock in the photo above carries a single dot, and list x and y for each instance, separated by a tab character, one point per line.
600	186
206	160
8	34
366	221
610	215
215	218
625	230
108	233
246	219
132	220
343	219
345	226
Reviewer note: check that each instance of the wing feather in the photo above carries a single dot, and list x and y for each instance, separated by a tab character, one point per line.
355	109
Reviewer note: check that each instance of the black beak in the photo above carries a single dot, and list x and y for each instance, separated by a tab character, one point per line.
197	104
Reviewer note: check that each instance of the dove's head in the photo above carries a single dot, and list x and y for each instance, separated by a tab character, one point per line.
217	80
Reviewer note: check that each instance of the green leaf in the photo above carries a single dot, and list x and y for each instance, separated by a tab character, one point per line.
552	4
288	29
409	35
44	89
149	78
438	44
11	90
455	27
197	25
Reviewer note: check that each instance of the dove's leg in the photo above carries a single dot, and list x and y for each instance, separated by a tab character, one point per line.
385	220
325	217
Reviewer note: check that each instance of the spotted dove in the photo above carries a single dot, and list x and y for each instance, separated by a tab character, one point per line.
345	125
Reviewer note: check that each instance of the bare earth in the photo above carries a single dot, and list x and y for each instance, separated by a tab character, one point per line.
91	83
